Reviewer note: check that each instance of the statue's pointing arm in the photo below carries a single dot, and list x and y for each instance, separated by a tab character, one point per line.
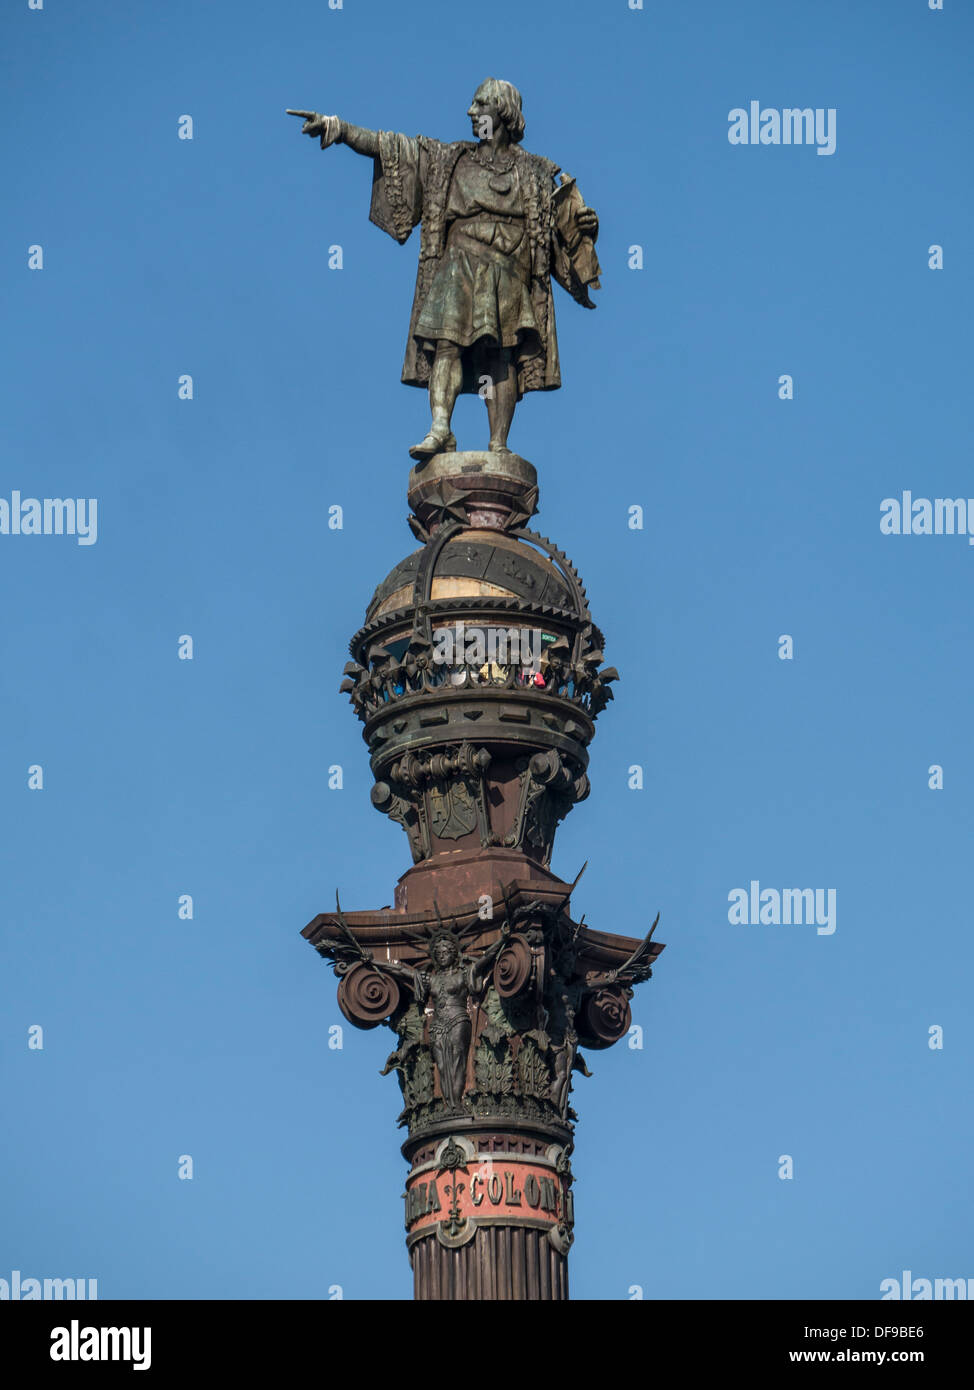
332	130
399	168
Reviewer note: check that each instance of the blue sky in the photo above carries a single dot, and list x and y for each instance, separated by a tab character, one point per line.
162	777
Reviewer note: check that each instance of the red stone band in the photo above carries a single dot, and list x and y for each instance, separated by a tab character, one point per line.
491	1186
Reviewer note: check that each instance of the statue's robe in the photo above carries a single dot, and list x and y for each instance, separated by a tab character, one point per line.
411	184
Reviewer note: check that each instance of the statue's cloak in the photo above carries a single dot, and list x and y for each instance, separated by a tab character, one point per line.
411	184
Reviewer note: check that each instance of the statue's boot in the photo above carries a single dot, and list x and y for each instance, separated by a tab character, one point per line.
495	447
440	438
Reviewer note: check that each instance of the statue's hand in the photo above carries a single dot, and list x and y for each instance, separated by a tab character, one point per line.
327	128
587	221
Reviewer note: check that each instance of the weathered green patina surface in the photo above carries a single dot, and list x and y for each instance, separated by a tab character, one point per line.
496	228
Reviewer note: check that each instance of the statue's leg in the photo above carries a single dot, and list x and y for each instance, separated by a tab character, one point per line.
459	1047
440	1061
503	399
446	378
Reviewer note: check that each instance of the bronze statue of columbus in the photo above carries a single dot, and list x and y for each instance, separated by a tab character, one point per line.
495	229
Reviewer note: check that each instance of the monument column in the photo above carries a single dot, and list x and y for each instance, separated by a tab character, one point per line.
478	676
